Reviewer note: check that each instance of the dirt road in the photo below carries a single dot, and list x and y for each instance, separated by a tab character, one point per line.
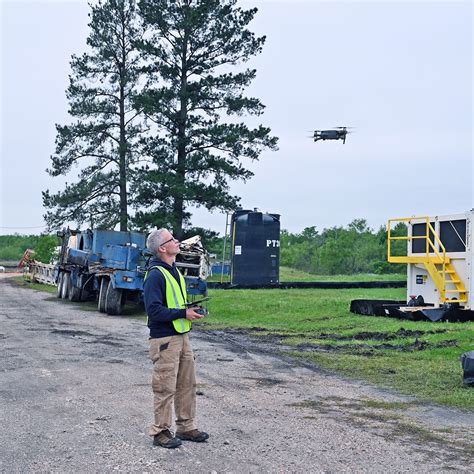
75	396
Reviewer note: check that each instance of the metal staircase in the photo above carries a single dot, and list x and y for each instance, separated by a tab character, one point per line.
435	260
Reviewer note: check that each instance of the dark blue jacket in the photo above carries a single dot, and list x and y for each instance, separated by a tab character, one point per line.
160	317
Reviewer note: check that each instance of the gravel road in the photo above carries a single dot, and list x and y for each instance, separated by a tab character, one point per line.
75	396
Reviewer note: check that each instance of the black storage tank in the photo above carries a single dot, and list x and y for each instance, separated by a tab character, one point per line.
255	248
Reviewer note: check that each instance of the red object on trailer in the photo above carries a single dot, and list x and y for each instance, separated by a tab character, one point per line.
27	258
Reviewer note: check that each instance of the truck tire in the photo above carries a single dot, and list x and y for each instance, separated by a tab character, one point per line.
74	292
85	295
65	285
113	300
60	283
104	283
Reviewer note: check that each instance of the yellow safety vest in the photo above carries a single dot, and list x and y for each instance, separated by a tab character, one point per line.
176	297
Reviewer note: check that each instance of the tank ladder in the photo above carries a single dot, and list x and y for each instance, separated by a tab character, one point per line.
436	262
226	251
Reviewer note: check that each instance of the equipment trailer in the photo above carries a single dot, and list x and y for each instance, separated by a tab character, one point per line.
111	266
104	263
440	270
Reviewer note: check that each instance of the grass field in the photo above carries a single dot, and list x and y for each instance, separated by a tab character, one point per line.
415	358
21	281
290	274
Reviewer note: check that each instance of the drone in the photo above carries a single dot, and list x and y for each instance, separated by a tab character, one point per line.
338	133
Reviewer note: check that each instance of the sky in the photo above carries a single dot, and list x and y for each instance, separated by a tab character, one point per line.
400	73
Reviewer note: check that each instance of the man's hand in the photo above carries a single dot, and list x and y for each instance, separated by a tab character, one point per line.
192	315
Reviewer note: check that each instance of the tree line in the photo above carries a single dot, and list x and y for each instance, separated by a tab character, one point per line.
156	103
353	249
12	247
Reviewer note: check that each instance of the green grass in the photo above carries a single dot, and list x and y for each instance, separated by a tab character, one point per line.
318	327
21	281
313	321
290	274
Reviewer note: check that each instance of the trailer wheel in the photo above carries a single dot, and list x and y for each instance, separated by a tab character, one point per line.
113	300
74	292
85	295
65	285
60	283
104	282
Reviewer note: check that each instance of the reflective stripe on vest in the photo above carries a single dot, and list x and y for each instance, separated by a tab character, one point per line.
176	297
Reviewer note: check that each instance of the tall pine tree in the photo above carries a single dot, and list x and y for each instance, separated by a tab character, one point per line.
102	139
193	49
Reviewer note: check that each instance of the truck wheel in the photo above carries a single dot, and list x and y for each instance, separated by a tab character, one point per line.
65	285
113	300
85	295
74	292
60	283
104	283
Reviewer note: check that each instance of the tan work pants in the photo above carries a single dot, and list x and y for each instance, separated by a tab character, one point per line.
173	380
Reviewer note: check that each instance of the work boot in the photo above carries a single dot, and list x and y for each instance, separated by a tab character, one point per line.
166	440
193	435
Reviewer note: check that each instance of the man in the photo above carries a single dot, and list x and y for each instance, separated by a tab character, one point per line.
170	350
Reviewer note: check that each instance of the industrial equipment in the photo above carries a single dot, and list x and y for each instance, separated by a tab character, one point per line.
111	265
440	269
255	249
102	263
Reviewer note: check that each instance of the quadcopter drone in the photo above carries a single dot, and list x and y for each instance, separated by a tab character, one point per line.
338	133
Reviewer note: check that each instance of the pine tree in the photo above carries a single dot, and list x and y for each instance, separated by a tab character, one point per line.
102	139
194	49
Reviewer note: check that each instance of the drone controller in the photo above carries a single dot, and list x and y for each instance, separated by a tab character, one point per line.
199	309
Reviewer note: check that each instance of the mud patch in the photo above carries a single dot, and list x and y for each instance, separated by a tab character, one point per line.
265	382
379	336
402	333
107	340
93	338
71	332
369	350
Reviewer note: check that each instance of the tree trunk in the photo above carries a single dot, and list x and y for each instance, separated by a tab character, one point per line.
123	143
178	205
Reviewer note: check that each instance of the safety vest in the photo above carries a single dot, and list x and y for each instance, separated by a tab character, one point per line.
176	297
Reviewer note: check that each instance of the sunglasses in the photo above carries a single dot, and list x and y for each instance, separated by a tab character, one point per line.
169	240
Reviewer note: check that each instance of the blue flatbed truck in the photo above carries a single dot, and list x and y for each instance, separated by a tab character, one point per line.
110	266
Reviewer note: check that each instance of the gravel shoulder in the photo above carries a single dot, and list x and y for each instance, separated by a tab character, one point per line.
75	396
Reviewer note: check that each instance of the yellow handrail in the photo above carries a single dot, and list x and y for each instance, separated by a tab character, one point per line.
429	243
402	219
